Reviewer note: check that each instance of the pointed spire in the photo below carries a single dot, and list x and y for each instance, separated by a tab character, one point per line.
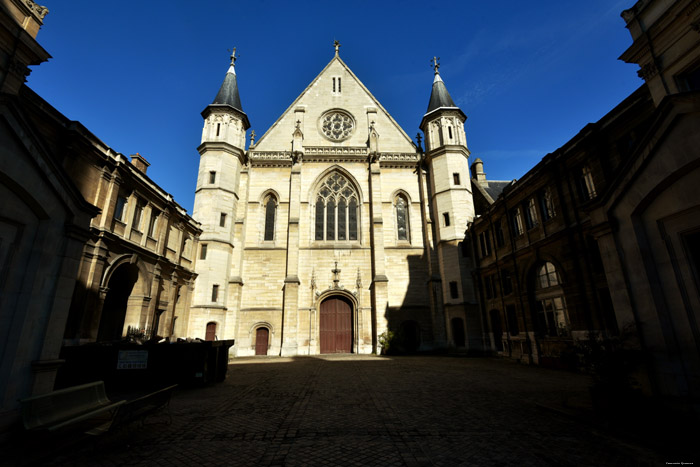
228	93
439	98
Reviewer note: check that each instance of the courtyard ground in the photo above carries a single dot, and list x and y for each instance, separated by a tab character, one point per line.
371	411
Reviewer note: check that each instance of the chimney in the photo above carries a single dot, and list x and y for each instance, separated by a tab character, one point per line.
478	170
138	161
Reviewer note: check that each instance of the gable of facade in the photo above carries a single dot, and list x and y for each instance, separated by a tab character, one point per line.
329	206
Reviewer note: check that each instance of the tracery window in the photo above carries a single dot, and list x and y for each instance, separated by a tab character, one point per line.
337	125
270	214
336	210
402	224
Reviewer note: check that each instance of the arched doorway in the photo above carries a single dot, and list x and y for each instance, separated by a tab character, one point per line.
336	325
262	339
211	331
410	335
119	287
458	332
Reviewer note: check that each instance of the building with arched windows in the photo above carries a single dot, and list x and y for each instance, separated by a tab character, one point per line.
598	243
334	227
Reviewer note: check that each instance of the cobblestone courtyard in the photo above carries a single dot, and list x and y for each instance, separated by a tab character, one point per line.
366	411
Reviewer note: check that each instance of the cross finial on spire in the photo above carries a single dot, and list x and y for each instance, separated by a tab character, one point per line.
336	44
233	56
436	64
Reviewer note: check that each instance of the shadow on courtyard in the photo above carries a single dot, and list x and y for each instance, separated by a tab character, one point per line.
369	410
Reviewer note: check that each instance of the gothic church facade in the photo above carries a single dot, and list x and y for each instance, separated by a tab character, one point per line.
334	227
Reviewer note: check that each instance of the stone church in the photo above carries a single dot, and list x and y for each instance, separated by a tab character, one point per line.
333	227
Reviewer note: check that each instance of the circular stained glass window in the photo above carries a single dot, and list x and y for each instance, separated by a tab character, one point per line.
337	125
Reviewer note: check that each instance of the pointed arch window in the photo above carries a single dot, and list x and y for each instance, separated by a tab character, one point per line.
402	225
270	214
336	210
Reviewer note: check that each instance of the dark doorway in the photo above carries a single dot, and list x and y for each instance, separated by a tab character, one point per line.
211	332
262	337
496	329
458	332
336	325
156	323
114	309
410	335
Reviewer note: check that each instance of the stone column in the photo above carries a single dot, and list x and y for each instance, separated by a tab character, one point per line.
290	318
380	282
107	214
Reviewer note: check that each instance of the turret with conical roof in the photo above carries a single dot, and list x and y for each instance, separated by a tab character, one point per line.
225	109
441	104
451	203
222	157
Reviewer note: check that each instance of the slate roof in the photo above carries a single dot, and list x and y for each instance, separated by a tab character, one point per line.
439	97
228	93
495	187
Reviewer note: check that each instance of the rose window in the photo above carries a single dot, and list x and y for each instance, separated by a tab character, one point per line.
337	125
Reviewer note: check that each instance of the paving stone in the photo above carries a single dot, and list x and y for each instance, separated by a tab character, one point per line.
365	411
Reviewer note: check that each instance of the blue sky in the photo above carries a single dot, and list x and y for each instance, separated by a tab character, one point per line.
529	75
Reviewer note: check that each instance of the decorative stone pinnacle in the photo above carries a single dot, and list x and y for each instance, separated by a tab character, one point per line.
336	275
336	44
436	64
419	138
252	137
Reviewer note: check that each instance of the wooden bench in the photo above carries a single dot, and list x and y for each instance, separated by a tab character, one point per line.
70	406
138	408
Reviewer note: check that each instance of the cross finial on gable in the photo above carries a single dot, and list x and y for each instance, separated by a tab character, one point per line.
336	44
436	64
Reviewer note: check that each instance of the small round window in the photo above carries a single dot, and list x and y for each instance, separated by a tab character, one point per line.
337	125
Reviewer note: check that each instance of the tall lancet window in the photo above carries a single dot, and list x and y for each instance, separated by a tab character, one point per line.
336	210
270	212
320	209
401	218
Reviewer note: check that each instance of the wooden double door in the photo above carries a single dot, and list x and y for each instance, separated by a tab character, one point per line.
336	325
